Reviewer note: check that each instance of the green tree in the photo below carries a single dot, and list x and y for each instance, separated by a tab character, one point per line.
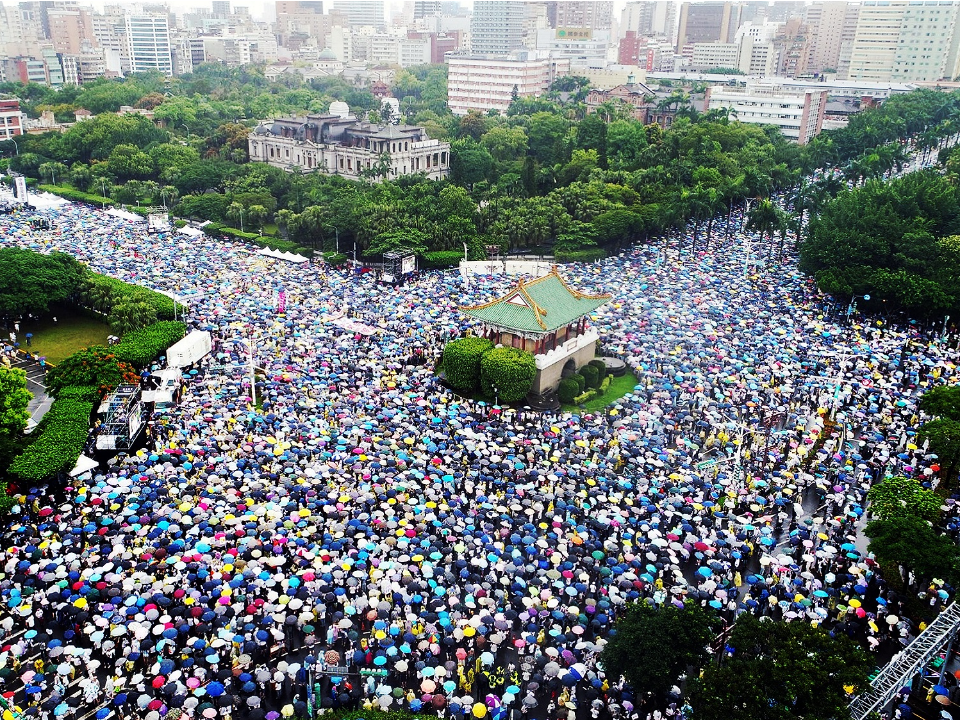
131	313
510	370
415	241
781	671
897	497
547	133
127	162
461	362
942	401
470	162
651	646
50	171
912	545
505	143
943	436
14	399
33	282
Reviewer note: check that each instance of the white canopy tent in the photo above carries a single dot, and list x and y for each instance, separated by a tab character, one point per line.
280	255
133	217
84	464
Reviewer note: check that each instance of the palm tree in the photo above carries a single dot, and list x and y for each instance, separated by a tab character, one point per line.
765	218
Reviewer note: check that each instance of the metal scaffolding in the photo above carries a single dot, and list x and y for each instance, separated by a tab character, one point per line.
900	671
124	418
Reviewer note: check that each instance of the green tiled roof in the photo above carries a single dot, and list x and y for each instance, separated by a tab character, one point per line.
538	306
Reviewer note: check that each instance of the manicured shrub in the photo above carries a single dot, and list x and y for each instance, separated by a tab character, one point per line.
461	362
441	259
591	375
581	382
568	390
510	370
141	347
601	367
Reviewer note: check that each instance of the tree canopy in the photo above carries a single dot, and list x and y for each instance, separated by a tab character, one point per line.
653	645
32	282
889	240
781	671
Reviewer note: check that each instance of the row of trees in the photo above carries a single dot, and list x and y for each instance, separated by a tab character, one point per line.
766	669
547	175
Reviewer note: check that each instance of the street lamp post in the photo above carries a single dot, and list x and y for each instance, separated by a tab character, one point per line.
853	304
103	191
496	395
943	334
15	146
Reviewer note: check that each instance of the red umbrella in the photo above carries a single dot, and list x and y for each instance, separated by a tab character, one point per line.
158	682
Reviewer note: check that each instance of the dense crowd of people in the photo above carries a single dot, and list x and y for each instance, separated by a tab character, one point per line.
367	538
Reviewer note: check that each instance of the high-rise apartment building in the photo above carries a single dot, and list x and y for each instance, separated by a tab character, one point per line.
650	18
361	12
148	43
707	22
221	8
825	21
929	43
905	41
497	26
594	14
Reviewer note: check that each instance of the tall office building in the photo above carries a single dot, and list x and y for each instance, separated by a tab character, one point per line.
594	14
221	8
497	26
426	8
707	22
361	12
905	41
148	43
826	22
649	18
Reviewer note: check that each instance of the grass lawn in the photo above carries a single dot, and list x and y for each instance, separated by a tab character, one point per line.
59	340
619	386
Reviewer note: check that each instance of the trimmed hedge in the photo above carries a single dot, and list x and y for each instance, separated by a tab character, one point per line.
511	370
141	347
600	366
69	193
87	393
571	256
461	361
442	259
568	390
580	380
60	444
591	375
334	258
592	393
